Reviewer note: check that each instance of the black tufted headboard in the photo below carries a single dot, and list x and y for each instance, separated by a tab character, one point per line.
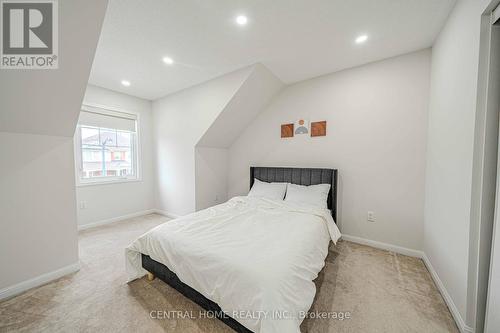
300	176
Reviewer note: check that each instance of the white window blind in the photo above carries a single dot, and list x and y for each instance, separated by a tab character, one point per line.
94	117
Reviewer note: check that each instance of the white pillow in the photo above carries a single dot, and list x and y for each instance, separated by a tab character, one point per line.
274	191
315	195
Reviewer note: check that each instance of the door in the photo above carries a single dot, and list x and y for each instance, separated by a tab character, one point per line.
492	318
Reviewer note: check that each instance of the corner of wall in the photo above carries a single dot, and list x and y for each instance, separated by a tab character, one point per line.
189	122
212	149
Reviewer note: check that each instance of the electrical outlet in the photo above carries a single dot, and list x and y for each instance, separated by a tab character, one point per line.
83	205
371	217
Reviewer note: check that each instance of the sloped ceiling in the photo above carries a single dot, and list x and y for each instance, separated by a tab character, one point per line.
179	121
253	95
211	153
48	101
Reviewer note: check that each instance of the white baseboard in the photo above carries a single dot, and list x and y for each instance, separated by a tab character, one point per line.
447	298
38	281
165	213
115	219
384	246
419	254
47	277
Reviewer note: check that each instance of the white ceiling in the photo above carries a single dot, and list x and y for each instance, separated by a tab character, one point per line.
295	39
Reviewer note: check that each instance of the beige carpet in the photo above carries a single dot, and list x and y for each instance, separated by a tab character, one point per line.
382	291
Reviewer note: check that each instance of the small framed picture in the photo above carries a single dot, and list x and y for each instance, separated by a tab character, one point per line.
301	127
287	131
318	128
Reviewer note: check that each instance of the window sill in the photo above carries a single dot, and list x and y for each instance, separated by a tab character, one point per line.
107	182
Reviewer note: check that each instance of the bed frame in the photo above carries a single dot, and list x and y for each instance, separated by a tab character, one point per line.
299	176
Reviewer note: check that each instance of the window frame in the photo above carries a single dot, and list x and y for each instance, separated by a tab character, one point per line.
136	149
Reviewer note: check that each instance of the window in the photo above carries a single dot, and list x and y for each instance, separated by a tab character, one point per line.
106	146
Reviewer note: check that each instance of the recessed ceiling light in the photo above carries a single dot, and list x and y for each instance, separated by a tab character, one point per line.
168	60
361	39
125	83
242	20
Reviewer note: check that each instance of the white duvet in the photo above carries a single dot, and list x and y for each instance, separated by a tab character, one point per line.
256	258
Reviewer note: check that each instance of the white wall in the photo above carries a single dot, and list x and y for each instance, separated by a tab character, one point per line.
249	100
454	78
109	201
37	204
180	120
377	120
211	160
38	229
47	101
211	176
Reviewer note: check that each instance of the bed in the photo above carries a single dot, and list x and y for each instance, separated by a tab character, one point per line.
251	261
